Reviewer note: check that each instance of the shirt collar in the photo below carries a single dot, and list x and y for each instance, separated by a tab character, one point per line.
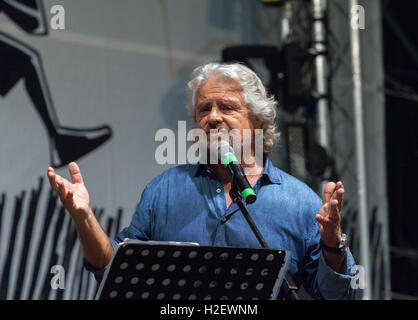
202	170
270	171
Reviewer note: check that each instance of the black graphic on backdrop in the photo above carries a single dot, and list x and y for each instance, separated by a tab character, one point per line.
29	253
56	223
19	61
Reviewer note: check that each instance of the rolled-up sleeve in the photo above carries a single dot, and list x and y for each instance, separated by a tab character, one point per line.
333	285
138	229
320	280
99	272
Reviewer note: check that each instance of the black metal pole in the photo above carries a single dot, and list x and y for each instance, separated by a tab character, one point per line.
289	287
252	224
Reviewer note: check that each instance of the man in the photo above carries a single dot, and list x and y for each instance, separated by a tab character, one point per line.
288	213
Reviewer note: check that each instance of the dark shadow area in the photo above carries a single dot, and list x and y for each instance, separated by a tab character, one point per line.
400	27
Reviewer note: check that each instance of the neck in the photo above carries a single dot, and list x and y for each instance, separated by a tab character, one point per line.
252	171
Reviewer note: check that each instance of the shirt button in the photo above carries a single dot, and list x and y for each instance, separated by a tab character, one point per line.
218	190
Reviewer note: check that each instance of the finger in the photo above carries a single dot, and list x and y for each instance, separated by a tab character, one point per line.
62	190
321	219
339	185
334	195
53	180
340	198
51	177
334	214
324	210
75	173
328	191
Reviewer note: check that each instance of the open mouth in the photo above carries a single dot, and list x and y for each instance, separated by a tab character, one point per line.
217	132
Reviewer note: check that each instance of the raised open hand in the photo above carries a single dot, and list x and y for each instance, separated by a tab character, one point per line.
329	215
74	196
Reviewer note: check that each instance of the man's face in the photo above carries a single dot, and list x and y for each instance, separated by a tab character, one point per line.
220	105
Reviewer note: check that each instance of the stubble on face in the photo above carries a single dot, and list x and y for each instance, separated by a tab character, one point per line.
224	115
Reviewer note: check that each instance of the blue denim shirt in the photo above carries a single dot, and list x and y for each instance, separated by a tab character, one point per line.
188	203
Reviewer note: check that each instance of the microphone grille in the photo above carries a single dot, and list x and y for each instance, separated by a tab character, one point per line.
224	148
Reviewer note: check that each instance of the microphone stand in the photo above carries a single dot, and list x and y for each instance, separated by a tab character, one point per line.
289	288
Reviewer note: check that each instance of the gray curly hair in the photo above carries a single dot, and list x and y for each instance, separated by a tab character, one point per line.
260	105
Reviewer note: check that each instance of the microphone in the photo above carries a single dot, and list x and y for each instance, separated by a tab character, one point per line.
235	172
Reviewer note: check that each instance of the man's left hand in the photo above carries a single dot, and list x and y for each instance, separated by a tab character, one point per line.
329	215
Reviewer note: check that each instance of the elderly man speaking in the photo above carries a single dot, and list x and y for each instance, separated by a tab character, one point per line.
287	212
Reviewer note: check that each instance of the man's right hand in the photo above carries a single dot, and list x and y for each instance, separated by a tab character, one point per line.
76	200
74	196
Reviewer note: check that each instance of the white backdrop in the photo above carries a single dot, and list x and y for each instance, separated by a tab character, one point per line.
124	64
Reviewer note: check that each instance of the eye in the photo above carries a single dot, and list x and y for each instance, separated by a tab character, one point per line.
203	106
228	107
203	109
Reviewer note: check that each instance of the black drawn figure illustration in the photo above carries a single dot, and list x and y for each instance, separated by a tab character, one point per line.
19	61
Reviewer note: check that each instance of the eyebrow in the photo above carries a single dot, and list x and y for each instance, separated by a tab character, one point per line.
222	101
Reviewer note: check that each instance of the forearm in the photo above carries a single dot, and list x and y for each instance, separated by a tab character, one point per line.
332	285
334	261
96	245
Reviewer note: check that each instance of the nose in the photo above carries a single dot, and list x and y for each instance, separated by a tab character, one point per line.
214	115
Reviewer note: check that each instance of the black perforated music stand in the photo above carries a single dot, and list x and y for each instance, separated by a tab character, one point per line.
152	270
